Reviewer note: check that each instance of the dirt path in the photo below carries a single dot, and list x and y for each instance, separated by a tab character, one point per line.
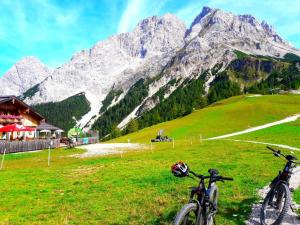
291	218
108	149
286	120
266	143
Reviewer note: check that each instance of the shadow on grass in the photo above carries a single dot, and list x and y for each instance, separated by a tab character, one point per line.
238	212
167	218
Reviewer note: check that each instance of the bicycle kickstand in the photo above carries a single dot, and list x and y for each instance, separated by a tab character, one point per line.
293	209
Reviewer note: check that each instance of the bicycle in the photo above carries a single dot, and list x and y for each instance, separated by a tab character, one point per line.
278	200
202	206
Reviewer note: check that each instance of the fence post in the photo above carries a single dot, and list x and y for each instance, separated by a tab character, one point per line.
2	161
49	152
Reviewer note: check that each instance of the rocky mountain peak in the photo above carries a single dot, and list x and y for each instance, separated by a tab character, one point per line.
26	73
28	59
205	11
154	35
196	24
157	22
248	19
247	28
268	28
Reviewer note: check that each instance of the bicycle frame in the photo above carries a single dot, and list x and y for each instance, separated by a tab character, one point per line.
202	193
203	199
283	176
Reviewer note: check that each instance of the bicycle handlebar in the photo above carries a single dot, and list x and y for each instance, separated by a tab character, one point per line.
273	150
199	175
287	157
227	178
217	178
268	147
278	152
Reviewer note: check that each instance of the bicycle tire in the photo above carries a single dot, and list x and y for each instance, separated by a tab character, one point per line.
185	210
283	187
213	198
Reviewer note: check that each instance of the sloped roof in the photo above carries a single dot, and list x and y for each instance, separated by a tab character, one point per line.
15	100
47	126
5	98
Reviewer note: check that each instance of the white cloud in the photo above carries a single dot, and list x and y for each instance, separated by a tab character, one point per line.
67	18
189	12
132	14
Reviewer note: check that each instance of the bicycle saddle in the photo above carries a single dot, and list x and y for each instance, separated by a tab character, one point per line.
213	172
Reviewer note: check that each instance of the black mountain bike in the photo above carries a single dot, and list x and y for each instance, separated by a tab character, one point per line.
202	206
278	200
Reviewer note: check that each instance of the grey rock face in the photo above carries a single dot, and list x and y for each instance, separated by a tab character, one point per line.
118	61
157	46
23	75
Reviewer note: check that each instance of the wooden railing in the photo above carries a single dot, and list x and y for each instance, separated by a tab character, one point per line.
25	146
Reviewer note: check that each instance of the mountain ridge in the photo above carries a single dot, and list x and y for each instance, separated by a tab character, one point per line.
163	53
24	74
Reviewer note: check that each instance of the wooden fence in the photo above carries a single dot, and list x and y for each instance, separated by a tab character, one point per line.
25	146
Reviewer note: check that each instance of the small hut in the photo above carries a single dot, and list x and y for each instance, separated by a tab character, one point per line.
48	130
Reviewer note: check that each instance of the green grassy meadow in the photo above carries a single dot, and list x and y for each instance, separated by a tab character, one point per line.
138	188
233	114
287	134
296	196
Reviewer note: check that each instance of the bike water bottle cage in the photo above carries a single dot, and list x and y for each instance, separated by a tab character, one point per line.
180	169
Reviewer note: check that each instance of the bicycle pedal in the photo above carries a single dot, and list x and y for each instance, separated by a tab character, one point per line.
292	189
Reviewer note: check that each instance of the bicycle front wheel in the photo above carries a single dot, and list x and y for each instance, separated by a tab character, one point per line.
188	215
275	205
213	200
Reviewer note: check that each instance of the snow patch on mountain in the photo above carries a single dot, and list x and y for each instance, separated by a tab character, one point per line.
153	89
95	106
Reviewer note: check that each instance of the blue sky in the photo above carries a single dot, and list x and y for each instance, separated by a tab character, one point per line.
53	30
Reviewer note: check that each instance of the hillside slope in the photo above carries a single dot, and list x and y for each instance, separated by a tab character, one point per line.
227	116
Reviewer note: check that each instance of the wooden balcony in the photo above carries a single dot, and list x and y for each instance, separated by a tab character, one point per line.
8	119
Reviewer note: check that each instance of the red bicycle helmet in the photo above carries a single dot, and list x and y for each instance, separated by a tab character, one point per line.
180	169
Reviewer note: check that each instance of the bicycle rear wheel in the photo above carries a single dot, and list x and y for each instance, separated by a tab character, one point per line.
275	205
188	215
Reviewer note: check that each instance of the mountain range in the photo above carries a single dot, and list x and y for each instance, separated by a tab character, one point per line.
157	72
